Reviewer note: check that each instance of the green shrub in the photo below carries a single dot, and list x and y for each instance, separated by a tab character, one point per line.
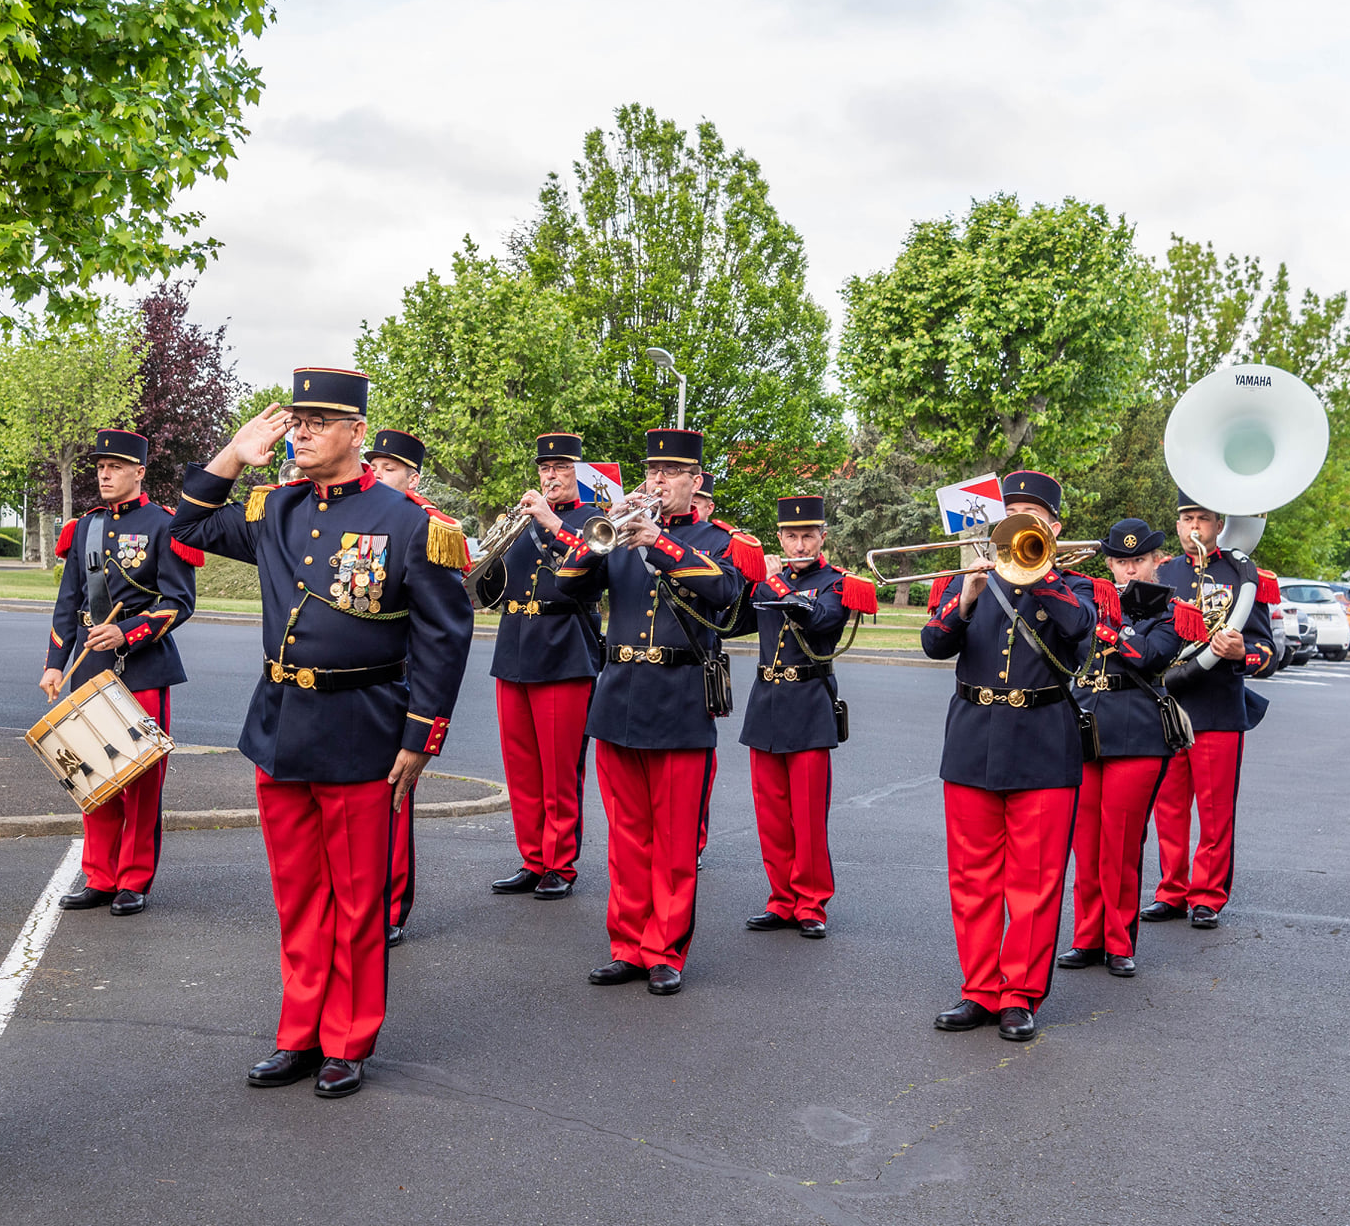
226	579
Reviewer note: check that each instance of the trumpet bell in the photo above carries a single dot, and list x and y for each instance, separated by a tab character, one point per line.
1025	548
1246	439
600	535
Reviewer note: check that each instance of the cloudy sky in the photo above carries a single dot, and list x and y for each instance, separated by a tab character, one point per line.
388	130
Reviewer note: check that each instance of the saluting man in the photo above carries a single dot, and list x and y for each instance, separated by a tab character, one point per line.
546	660
1222	710
668	581
790	725
366	629
1012	760
121	551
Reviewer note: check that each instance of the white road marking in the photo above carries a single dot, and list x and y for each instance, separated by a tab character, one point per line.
26	952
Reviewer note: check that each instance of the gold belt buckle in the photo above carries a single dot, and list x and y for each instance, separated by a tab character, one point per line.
625	653
532	609
986	696
1017	698
278	674
513	606
88	619
304	678
790	673
654	654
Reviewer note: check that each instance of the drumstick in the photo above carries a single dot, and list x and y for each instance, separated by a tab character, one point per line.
117	608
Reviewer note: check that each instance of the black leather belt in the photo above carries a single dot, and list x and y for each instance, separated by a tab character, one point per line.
669	656
988	695
536	608
795	672
1103	682
328	679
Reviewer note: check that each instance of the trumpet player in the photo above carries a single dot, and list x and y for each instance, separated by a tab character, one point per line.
1221	711
1012	761
545	662
670	579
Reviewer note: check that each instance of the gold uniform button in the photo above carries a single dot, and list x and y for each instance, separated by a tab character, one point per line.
308	560
642	635
314	532
1017	591
1003	676
653	592
117	517
1005	651
112	533
651	613
301	584
290	638
323	506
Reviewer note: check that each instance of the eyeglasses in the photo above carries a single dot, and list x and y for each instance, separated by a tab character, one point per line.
668	470
557	469
315	425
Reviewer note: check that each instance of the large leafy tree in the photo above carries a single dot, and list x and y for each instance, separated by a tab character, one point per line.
667	241
109	108
479	365
1010	337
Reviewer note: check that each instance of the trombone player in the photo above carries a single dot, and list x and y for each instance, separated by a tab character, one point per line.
1012	761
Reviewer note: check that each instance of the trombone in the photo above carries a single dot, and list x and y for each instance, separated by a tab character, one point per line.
1023	548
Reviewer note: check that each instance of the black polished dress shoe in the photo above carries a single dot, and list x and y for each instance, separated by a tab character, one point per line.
1076	959
128	902
617	971
1017	1025
768	922
968	1015
812	928
552	885
1204	917
85	900
338	1078
1158	911
394	935
283	1067
663	980
520	882
1120	964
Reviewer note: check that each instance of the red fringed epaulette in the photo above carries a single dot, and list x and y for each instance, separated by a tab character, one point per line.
935	592
747	555
859	594
1267	587
1189	621
66	539
193	557
1104	596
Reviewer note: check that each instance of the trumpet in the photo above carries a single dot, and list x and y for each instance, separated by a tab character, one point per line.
606	532
1024	550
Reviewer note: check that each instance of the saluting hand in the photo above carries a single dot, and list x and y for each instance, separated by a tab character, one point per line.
252	444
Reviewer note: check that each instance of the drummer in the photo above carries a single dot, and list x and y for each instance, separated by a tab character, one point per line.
121	551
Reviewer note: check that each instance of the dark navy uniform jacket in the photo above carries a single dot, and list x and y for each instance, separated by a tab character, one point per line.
999	747
1128	722
789	716
154	581
547	646
653	706
1215	700
313	545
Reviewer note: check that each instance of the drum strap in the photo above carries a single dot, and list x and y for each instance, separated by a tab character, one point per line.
100	603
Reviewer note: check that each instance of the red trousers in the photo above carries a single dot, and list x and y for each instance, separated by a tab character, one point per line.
656	800
121	838
705	816
792	809
1207	772
328	849
402	864
543	732
1108	850
1007	851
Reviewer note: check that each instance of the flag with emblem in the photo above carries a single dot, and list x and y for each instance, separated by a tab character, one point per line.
967	503
599	483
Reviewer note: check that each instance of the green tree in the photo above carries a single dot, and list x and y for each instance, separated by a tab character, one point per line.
675	244
477	367
1007	338
109	108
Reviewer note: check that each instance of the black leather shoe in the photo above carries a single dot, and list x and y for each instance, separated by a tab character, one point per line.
1076	959
1017	1025
769	921
128	902
283	1067
552	885
663	980
394	934
520	882
617	971
968	1015
1120	964
1204	917
1158	910
85	900
338	1078
812	928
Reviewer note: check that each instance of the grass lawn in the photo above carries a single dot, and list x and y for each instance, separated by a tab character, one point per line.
40	585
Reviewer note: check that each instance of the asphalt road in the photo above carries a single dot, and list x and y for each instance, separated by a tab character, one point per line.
791	1082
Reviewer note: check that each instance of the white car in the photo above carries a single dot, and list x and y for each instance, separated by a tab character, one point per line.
1324	610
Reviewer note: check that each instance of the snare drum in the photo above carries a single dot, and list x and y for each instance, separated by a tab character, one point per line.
98	740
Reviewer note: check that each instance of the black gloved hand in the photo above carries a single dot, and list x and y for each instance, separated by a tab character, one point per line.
796	607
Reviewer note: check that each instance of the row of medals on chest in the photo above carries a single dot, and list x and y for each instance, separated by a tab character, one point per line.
366	587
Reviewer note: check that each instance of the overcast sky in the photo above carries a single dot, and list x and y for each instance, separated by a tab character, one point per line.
389	130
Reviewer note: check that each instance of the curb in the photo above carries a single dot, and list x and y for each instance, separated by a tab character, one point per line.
226	819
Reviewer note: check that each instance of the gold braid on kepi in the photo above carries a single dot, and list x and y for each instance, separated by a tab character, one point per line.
257	502
446	545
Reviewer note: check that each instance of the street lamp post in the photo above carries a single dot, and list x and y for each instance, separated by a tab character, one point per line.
663	359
